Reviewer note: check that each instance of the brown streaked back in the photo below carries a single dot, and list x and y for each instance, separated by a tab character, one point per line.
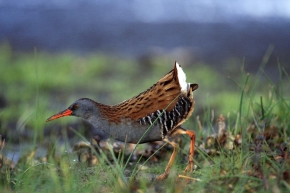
161	95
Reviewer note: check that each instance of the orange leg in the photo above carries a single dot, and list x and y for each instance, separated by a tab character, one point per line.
171	160
190	165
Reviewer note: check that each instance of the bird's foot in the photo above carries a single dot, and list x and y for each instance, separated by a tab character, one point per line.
185	177
162	176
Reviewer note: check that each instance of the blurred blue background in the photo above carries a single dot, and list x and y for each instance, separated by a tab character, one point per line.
193	30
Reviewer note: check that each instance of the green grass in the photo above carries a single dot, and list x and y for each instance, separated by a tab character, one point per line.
37	85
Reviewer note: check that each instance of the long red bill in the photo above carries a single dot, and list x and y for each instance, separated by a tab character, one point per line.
64	113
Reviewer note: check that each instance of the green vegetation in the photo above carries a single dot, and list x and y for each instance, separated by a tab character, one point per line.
251	153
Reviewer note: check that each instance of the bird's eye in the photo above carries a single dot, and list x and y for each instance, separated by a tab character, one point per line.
74	107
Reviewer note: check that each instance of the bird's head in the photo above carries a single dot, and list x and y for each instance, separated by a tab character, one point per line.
83	108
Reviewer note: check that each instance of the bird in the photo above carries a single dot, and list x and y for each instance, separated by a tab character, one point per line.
153	115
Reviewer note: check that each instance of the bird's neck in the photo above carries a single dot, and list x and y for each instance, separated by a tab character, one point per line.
103	114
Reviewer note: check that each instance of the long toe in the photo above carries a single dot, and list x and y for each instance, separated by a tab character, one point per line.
162	176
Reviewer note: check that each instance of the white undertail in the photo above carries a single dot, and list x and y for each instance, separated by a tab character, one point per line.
182	78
